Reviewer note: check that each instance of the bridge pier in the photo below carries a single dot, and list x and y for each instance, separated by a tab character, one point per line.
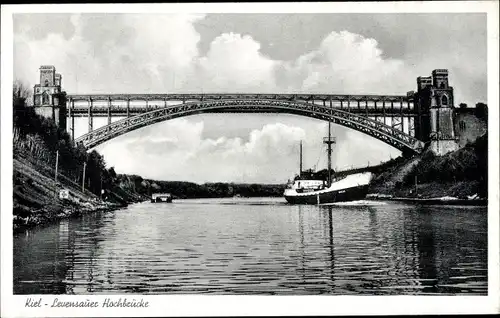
402	117
71	119
49	100
436	102
411	127
128	107
383	110
91	119
109	111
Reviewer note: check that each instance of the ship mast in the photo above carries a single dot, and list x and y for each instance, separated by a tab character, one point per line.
329	141
300	172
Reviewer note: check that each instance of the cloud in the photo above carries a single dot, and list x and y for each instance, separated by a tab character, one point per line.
348	63
159	53
175	150
234	63
113	53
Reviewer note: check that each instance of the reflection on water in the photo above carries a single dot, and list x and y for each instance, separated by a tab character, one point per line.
258	246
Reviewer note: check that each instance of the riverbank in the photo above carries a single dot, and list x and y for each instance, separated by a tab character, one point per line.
452	201
459	177
435	193
36	199
462	190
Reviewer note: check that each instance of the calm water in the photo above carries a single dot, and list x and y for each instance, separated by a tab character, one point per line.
258	246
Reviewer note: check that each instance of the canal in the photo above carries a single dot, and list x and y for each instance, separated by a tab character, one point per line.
258	246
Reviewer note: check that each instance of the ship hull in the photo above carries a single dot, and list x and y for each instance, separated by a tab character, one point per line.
329	196
161	199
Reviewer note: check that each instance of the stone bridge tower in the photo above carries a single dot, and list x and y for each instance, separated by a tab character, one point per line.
435	107
49	100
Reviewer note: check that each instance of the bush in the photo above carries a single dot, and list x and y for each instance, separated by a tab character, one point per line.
466	164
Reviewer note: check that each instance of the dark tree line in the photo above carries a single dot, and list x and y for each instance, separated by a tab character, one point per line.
186	190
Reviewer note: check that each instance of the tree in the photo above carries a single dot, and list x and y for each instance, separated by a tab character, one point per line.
463	105
20	91
24	118
482	111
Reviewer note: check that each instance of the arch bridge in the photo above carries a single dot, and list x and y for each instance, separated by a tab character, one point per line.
392	119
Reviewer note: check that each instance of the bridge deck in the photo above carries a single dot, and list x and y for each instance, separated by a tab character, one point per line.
109	104
120	111
212	96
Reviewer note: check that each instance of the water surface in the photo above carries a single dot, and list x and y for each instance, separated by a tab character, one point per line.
258	246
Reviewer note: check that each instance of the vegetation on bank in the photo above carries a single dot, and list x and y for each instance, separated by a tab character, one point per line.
462	173
468	164
36	199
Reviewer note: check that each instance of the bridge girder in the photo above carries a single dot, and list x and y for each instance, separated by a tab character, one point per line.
374	128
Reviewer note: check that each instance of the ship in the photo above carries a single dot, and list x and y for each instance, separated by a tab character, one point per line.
161	197
316	188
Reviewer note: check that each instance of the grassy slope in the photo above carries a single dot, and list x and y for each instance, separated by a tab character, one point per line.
35	199
459	174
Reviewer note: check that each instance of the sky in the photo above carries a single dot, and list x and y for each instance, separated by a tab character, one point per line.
260	53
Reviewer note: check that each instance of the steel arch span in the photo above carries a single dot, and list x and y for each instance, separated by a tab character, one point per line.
394	137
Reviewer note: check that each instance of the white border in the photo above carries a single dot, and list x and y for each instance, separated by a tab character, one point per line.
259	305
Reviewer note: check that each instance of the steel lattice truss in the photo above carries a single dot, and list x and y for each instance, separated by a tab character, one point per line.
374	128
